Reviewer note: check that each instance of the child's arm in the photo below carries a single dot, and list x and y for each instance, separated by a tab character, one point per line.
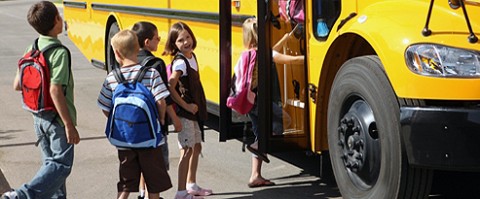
106	113
161	107
288	59
60	102
173	81
279	45
281	58
176	122
16	82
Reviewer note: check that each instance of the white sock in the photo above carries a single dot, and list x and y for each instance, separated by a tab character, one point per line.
182	193
142	193
193	186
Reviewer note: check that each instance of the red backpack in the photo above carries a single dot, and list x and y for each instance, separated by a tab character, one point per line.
34	72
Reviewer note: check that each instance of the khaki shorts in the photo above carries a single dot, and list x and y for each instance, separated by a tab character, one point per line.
190	134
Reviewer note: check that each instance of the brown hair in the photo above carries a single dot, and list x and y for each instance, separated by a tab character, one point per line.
144	30
41	16
125	42
170	47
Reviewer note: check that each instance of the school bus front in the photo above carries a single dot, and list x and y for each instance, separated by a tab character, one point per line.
391	90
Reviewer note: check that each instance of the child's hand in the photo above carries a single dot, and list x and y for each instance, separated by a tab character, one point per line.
192	108
72	134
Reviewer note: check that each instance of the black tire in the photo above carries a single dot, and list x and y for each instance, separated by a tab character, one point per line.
110	61
364	136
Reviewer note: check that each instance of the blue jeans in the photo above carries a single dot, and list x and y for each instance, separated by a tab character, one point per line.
49	182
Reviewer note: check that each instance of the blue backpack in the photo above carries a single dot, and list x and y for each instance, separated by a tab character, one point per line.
133	120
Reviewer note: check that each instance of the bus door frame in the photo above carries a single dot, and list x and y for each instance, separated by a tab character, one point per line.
263	59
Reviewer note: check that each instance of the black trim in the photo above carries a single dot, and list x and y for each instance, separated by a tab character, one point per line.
74	4
98	64
225	68
207	17
442	138
264	97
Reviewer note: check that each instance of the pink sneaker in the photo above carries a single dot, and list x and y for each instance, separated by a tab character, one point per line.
200	192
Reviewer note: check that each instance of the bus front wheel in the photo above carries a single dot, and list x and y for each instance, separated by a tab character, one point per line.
364	135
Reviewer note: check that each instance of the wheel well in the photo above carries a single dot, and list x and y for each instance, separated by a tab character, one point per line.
342	49
110	20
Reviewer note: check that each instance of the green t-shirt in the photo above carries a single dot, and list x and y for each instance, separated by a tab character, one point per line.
60	72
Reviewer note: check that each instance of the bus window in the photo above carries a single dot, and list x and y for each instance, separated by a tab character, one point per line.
325	13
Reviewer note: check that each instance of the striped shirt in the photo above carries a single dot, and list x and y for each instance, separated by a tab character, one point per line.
151	80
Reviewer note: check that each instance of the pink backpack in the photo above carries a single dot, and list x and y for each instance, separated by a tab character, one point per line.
242	98
292	10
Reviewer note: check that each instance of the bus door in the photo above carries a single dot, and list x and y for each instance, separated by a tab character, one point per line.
282	88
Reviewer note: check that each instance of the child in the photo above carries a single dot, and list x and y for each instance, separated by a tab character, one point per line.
56	131
191	105
250	41
148	40
133	161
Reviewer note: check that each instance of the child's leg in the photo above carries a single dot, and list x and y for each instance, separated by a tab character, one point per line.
192	186
256	169
123	195
193	164
153	195
197	149
183	164
142	187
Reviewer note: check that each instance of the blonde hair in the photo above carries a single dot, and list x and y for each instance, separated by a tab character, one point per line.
126	43
250	36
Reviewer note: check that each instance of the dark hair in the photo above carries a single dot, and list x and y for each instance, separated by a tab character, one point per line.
170	47
144	30
41	16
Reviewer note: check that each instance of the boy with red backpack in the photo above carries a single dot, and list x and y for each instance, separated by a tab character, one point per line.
52	104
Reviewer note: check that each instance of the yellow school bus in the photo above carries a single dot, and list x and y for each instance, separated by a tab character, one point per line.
390	89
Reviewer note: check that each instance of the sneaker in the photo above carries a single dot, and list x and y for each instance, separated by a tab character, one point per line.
10	195
200	191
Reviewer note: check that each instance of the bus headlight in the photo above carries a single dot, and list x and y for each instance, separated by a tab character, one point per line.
442	61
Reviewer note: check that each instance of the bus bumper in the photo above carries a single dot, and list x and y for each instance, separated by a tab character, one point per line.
442	138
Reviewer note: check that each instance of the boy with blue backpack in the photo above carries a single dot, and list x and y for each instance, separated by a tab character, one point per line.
132	97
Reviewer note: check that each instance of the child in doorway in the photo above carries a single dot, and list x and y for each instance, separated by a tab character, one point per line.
55	130
188	94
250	41
148	39
133	161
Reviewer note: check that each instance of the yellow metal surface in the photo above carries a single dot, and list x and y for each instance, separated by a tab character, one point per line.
387	27
88	30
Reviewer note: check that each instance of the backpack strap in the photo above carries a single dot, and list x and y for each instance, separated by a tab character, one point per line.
146	61
117	73
35	48
141	73
121	80
181	56
153	62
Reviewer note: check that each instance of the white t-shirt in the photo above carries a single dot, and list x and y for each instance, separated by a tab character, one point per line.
180	65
